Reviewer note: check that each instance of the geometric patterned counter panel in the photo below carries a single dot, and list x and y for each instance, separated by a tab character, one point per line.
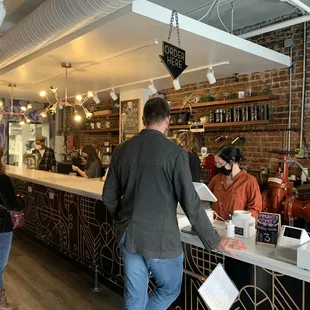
82	229
77	226
260	289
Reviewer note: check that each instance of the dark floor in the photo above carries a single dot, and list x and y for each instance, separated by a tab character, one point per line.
36	279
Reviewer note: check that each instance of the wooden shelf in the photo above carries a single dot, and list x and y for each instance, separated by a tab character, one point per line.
232	124
96	130
107	115
176	127
239	124
227	102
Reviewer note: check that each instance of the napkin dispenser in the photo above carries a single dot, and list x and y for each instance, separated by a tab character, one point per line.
244	224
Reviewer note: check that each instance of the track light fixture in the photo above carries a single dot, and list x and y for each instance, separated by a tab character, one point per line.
113	94
210	76
96	99
176	84
237	140
152	88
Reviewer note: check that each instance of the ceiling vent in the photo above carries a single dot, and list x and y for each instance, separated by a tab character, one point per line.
51	21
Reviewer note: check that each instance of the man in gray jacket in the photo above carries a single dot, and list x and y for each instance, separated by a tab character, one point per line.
147	177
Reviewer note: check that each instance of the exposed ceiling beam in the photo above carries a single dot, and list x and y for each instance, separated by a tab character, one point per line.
274	27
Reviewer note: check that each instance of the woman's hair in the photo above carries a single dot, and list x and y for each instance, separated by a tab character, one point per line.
230	154
2	167
91	155
189	140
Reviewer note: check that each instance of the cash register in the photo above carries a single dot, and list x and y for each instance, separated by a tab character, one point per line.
290	239
204	194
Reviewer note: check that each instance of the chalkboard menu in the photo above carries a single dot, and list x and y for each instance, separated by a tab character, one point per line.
129	118
267	229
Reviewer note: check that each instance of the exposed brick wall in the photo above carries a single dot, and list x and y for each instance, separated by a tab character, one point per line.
83	139
258	144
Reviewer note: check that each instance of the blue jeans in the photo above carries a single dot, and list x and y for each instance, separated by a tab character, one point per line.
167	274
5	248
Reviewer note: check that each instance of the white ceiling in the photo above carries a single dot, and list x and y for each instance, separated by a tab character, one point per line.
246	12
131	29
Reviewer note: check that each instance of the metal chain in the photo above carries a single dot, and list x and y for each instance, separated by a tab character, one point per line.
174	13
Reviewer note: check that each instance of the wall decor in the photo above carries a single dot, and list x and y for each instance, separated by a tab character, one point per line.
130	115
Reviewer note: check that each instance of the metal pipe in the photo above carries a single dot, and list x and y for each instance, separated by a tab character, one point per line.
274	27
232	16
51	21
290	102
303	101
209	11
299	4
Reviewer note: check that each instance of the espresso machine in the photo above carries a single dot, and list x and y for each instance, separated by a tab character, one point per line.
32	160
106	153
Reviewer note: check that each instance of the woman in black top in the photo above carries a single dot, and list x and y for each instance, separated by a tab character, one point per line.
92	163
189	143
8	202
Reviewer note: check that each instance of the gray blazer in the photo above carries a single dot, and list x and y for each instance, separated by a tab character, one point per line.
147	177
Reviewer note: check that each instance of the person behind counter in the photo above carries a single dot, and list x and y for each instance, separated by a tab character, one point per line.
234	188
189	143
92	163
47	155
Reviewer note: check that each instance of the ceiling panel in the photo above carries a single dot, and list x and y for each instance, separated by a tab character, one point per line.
110	45
246	12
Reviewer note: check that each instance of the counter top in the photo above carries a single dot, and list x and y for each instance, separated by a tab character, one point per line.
261	256
257	255
85	187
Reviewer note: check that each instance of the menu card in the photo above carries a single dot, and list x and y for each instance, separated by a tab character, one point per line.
218	291
267	228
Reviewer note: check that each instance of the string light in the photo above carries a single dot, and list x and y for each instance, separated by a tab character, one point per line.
21	115
59	104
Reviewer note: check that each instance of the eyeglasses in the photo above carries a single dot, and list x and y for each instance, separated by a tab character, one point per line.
218	165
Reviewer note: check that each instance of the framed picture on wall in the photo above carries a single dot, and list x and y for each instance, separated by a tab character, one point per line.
130	115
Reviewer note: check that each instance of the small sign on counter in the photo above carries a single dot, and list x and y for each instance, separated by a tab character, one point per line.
267	229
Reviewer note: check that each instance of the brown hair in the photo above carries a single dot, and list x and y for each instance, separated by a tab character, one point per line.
190	141
91	155
2	166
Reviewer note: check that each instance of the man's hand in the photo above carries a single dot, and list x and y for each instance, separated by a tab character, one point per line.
227	244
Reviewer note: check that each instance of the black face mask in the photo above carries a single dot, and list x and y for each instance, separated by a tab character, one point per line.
224	171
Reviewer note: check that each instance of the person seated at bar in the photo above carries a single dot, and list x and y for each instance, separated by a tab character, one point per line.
189	143
47	155
234	188
92	164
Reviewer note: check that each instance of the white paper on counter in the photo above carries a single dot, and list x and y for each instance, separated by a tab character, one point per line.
218	291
